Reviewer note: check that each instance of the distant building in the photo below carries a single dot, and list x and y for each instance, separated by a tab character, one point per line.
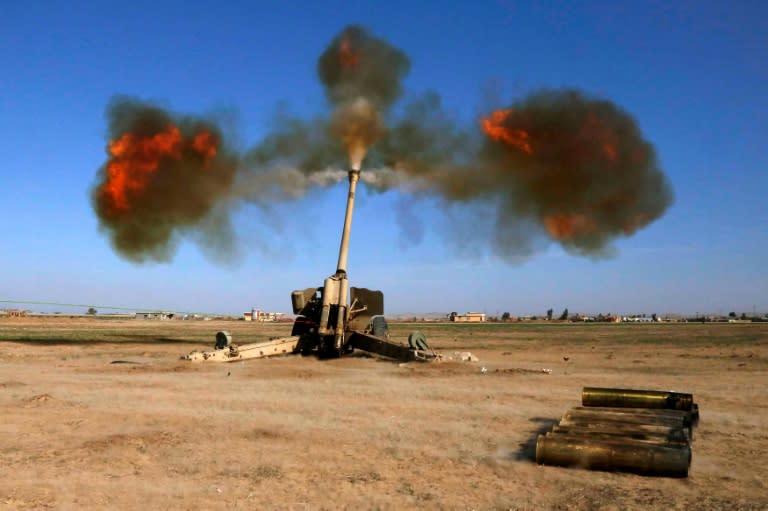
469	317
260	315
637	319
14	313
155	315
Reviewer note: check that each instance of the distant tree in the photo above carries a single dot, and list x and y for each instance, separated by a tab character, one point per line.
654	318
92	311
743	315
505	316
549	314
564	315
732	315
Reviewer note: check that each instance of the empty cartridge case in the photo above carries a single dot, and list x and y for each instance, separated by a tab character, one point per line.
620	455
634	398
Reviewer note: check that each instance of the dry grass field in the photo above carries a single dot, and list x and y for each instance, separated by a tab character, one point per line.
102	414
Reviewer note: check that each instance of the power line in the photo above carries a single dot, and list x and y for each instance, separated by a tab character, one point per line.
109	307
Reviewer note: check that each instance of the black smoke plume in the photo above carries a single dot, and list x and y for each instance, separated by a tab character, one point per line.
557	165
165	177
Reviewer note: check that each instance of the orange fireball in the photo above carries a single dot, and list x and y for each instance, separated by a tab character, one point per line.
204	144
495	127
134	159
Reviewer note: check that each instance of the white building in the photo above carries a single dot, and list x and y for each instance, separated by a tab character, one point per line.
260	315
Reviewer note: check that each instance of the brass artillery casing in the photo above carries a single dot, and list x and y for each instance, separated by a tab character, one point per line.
585	415
688	418
634	398
606	425
649	415
601	454
673	436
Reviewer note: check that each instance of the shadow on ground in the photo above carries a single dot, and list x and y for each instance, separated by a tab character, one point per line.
527	450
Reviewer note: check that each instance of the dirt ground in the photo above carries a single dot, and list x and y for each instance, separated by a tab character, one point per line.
102	414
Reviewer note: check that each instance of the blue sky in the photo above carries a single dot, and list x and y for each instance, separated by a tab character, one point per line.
693	74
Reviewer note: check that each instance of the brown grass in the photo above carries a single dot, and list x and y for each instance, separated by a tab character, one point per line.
155	432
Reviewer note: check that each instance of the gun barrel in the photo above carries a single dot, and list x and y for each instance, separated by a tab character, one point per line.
354	177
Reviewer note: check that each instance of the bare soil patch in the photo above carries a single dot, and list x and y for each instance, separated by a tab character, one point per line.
102	414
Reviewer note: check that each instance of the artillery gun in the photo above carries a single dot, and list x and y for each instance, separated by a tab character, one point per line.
332	320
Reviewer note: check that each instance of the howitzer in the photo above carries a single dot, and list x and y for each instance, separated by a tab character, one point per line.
331	320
